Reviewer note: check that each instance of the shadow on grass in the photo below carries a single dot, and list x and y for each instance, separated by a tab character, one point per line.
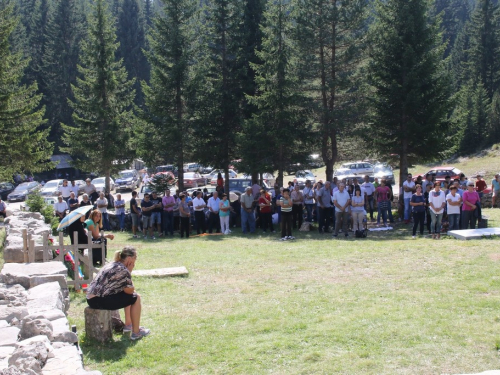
111	351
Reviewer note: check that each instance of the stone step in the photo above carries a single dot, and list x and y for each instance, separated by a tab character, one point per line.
162	272
474	234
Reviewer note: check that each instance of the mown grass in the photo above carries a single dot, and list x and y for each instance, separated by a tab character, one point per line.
252	305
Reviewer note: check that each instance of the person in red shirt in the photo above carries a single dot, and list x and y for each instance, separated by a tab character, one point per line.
265	211
480	185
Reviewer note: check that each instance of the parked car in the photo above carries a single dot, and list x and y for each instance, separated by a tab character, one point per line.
5	189
128	179
268	178
351	170
240	184
144	189
81	185
205	170
384	171
168	168
302	176
51	188
100	183
51	201
23	190
212	176
191	167
193	179
441	173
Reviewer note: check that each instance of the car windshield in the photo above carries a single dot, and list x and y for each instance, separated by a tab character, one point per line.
381	168
22	187
239	184
51	184
98	180
4	186
302	174
126	175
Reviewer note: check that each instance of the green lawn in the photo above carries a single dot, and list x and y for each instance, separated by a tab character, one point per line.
253	305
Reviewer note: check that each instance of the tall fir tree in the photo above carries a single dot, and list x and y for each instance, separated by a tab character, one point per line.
101	135
218	107
410	87
494	119
454	14
132	38
167	97
24	146
279	130
64	32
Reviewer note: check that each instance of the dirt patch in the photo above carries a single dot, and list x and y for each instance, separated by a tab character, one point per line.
495	257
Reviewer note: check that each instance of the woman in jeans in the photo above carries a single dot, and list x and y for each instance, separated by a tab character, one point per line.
357	210
470	202
453	203
418	203
185	214
383	195
437	202
286	205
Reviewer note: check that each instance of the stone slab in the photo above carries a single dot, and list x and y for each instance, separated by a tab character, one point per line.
8	336
66	361
6	351
491	372
162	272
474	234
35	269
45	297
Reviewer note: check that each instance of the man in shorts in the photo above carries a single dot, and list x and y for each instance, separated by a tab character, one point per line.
147	210
495	188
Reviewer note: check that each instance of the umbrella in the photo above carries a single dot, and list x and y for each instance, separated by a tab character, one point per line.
73	216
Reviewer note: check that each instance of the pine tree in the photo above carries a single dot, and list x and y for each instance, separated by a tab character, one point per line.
132	38
278	131
484	52
171	42
218	107
454	14
410	88
23	146
103	95
494	119
331	36
64	33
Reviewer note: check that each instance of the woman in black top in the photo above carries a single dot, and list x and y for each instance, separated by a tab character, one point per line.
418	204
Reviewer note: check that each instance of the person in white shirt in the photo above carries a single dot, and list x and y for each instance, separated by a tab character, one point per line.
308	193
341	201
213	205
437	202
102	206
409	189
369	189
120	211
65	190
199	212
74	188
60	208
454	201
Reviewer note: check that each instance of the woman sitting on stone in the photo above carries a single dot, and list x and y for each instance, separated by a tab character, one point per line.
94	225
112	289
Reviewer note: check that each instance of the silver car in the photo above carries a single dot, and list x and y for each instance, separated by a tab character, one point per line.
303	176
100	183
51	188
356	169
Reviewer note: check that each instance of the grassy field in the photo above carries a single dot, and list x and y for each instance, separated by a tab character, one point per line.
253	305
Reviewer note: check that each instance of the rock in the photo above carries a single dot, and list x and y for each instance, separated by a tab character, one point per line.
34	269
8	336
43	339
6	351
15	322
49	315
61	331
3	324
35	327
39	280
8	313
163	272
66	361
45	297
98	324
10	371
30	359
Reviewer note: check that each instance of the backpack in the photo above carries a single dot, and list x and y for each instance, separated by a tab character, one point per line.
361	233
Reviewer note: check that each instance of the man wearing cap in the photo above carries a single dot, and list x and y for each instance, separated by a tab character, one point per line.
247	215
495	189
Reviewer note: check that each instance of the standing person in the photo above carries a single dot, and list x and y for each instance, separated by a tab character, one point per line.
308	193
437	202
427	220
156	213
177	215
463	181
495	189
480	185
341	201
65	190
427	181
147	208
220	182
60	208
168	203
3	208
94	225
324	200
213	205
376	183
75	188
298	208
135	213
357	210
120	211
199	212
185	214
112	289
454	201
90	190
369	189
286	205
409	189
73	202
383	196
471	201
102	206
418	203
265	211
247	214
224	212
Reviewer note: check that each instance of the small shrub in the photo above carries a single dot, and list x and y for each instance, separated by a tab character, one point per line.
36	203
